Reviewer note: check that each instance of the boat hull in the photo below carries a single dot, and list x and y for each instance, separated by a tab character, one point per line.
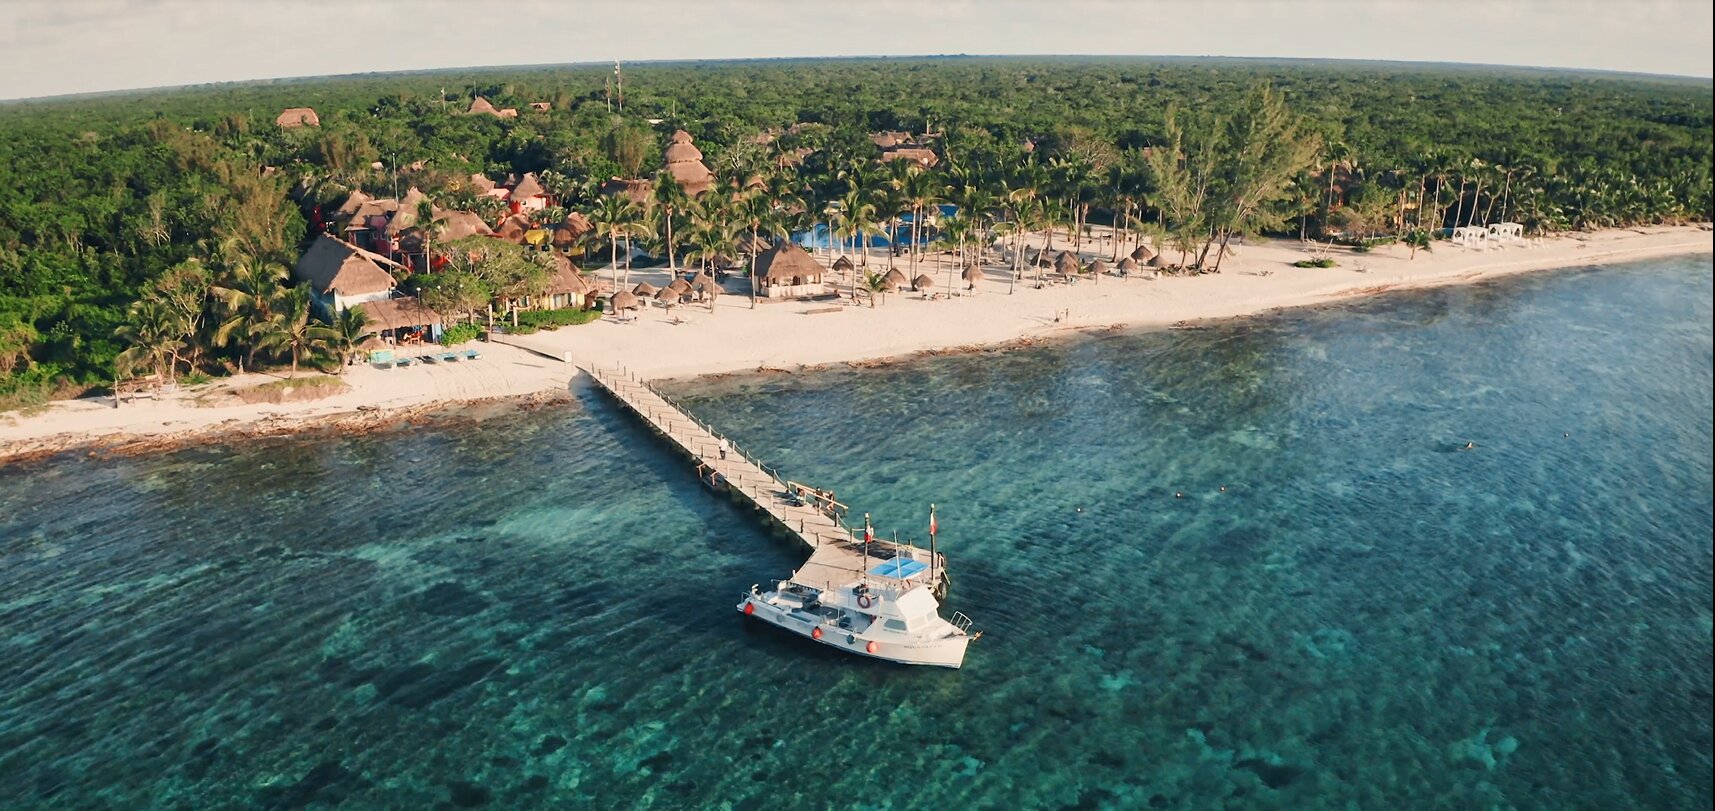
942	652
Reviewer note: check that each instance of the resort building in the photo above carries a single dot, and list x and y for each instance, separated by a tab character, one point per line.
567	288
342	275
298	117
786	271
527	194
481	106
685	164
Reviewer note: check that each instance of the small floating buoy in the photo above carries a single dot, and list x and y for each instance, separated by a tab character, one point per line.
872	647
749	608
1223	488
1178	495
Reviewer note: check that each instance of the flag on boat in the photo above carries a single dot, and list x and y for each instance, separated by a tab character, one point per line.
868	535
931	520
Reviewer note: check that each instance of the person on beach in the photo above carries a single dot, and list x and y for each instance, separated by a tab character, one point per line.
722	447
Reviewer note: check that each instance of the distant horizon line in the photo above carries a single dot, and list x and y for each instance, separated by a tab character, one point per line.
1551	69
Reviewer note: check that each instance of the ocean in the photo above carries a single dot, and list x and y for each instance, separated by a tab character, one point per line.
1447	548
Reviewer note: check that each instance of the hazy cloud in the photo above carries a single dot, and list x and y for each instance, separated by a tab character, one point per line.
50	47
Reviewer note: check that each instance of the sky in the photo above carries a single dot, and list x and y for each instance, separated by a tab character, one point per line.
55	47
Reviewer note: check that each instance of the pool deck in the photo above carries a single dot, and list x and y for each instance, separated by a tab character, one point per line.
836	553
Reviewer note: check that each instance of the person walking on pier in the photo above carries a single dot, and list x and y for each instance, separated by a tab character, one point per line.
722	446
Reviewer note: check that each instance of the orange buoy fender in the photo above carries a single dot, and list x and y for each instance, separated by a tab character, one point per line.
749	608
872	647
815	633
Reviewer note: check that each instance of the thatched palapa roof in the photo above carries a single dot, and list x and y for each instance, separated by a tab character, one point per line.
923	282
566	278
332	265
298	117
1098	267
678	284
894	278
399	312
528	187
1142	254
643	290
461	224
843	264
1127	265
973	273
625	301
669	296
787	263
1066	264
481	183
1157	262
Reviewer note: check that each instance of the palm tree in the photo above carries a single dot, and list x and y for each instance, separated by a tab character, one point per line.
614	218
874	283
956	231
1419	238
756	211
154	333
246	296
290	327
920	190
350	329
670	198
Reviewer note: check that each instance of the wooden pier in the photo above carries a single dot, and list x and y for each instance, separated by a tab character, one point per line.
837	554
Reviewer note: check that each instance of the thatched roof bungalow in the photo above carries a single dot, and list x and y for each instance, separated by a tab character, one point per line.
566	286
342	274
786	271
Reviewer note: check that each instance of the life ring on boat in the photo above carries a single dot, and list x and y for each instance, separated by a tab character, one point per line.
815	633
872	647
749	608
864	601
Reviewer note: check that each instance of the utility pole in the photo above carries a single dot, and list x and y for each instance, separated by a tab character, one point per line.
619	83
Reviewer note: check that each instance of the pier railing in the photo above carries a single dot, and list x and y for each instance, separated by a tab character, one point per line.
608	377
775	488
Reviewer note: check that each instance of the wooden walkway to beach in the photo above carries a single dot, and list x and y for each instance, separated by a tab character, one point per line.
837	555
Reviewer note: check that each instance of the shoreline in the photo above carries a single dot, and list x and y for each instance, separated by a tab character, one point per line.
788	337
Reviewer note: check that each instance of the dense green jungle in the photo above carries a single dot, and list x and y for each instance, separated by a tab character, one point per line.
152	231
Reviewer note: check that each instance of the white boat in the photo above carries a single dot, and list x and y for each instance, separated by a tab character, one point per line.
883	617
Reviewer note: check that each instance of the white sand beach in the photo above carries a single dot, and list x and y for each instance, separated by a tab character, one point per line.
692	340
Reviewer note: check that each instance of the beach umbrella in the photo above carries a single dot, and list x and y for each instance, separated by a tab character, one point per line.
668	297
1142	254
643	290
679	284
1127	265
894	278
843	265
1098	267
625	301
923	282
1065	264
973	274
1157	262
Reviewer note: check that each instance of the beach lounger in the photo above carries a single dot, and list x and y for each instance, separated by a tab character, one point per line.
447	357
472	354
382	358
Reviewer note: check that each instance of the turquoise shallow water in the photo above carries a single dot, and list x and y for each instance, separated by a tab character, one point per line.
536	610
